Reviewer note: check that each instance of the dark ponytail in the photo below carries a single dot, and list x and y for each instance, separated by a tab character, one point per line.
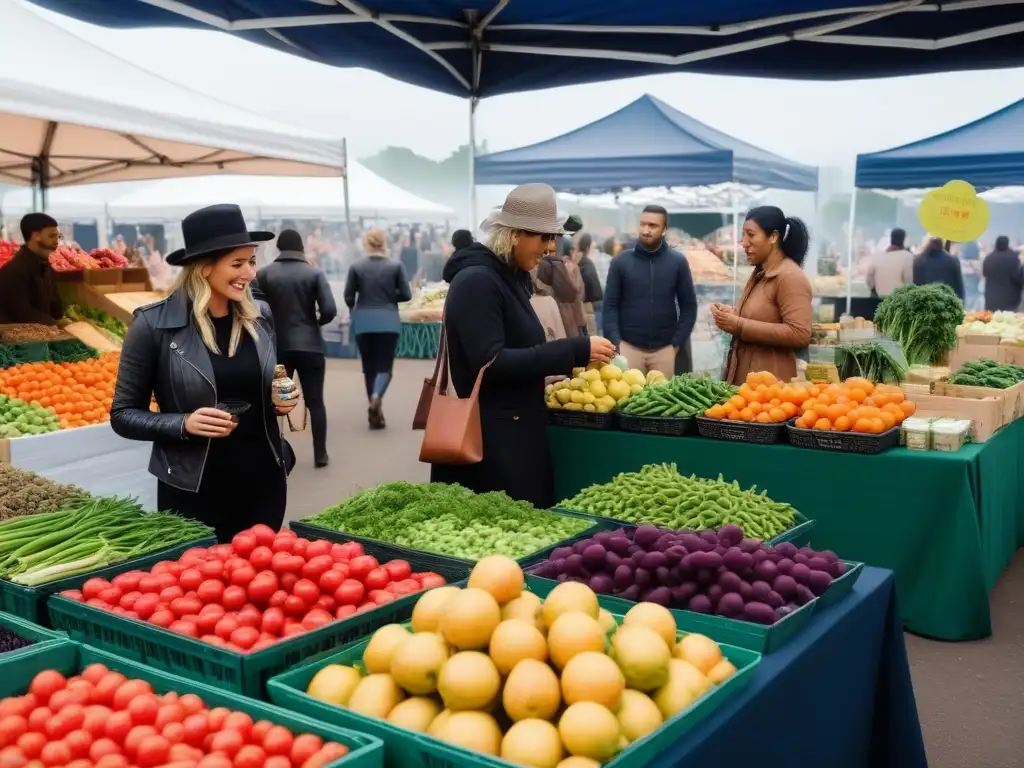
793	235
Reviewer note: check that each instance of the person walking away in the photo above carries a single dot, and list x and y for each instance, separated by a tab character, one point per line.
28	288
969	255
489	321
558	272
772	321
301	301
650	305
593	293
936	265
409	256
204	345
893	268
375	286
1004	278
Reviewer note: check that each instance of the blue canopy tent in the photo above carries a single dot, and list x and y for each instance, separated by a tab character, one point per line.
988	152
647	143
482	48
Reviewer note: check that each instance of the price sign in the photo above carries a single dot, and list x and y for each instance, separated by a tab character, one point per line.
954	212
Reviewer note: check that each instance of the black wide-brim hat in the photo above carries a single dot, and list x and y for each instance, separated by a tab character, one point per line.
214	228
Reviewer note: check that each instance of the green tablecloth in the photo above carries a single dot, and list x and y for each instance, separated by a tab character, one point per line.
946	523
419	340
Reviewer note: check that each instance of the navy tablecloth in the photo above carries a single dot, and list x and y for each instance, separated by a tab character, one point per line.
838	695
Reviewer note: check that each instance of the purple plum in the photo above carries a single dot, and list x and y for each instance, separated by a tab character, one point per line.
730	604
593	556
730	535
700	604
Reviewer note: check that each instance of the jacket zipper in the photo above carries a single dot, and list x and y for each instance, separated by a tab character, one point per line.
650	326
206	453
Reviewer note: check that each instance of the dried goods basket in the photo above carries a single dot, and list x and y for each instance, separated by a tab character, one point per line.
69	658
39	636
741	431
581	419
247	673
668	426
30	602
416	750
847	442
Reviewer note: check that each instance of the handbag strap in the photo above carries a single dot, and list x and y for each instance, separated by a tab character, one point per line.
305	418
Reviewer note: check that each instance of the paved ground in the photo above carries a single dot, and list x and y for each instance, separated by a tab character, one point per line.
970	695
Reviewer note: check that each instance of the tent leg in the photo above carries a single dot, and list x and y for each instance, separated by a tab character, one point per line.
849	251
344	187
473	100
735	248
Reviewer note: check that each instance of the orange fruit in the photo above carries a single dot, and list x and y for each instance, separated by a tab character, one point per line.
755	408
862	425
776	415
833	412
842	424
908	408
823	424
733	416
738	402
887	419
746	415
877	426
788	408
858	394
763	418
857	382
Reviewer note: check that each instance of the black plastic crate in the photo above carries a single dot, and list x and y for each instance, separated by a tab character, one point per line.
741	431
847	442
581	419
668	426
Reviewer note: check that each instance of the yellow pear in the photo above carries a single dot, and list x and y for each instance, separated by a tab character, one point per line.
656	617
642	655
526	607
699	650
592	676
684	686
515	640
532	742
468	680
415	713
721	672
417	662
383	644
427	612
334	684
376	695
475	731
590	730
531	691
638	714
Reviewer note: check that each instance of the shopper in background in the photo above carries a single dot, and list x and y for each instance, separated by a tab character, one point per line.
936	265
772	322
489	319
650	305
301	300
558	271
376	285
206	344
593	293
893	268
28	288
461	238
1004	278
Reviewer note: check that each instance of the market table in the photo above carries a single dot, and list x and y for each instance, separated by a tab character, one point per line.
838	695
946	523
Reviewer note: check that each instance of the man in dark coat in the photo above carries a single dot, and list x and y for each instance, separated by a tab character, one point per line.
301	300
937	265
1004	277
28	289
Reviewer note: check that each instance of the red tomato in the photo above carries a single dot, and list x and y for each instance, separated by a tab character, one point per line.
129	599
100	748
173	732
326	602
316	618
228	742
191	703
222	551
278	741
326	755
353	549
211	590
381	597
264	534
207	622
31	744
148	584
277	599
431	580
299	546
250	616
79	743
245	637
284	562
152	751
128	581
272	621
183	606
183	627
318	548
371	606
118	725
288	581
304	747
242	575
45	684
338	553
162	618
278	761
316	566
171	593
225	627
238	721
342	568
212	569
168	713
144	709
233	598
261	588
344	611
350	592
244	543
77	692
111	595
135	737
307	590
109	684
196	729
291	630
359	566
214	761
282	544
408	587
199	552
112	761
190	579
261	558
259	731
93	587
250	756
55	753
330	581
164	566
398	569
378	578
73	594
12	728
295	606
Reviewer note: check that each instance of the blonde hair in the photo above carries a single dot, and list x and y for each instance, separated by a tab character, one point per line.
502	241
374	241
244	313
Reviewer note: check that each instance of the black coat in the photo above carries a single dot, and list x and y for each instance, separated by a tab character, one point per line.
28	290
592	290
1004	280
301	300
488	316
164	357
939	267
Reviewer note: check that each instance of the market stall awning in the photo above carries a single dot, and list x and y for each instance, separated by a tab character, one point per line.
988	152
72	113
647	143
277	197
488	47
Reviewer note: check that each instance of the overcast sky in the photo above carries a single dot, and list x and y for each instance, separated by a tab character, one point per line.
816	123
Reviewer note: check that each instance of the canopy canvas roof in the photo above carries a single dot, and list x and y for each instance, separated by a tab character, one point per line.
647	143
988	152
72	113
487	47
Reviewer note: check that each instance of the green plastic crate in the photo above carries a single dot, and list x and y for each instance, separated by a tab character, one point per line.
439	560
70	658
416	750
30	602
741	634
39	635
842	586
242	673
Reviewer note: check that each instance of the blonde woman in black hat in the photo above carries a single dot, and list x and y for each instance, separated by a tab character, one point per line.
488	316
207	354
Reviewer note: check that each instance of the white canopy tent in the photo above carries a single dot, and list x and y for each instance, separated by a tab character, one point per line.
73	113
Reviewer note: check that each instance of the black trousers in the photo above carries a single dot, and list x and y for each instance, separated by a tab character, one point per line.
377	352
311	366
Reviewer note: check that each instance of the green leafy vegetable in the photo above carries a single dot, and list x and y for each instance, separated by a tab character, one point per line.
871	361
923	319
987	373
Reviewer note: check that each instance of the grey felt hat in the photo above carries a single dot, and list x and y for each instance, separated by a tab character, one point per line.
531	208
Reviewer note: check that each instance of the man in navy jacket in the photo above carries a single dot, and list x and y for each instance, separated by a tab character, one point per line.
650	306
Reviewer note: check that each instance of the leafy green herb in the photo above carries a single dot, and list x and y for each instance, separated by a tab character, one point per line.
870	361
987	373
923	319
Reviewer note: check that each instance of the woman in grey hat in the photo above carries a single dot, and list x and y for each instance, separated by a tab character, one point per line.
488	317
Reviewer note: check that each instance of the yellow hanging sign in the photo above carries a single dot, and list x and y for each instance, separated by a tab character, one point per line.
954	212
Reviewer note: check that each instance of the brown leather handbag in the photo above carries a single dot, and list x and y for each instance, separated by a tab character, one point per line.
452	432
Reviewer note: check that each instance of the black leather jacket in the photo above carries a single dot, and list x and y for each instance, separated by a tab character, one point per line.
164	356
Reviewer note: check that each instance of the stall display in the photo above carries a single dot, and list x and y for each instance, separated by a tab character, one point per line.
448	520
923	319
12	641
659	495
426	306
68	257
26	493
1006	326
681	396
7	251
872	360
419	341
855	405
97	318
763	399
628	691
987	373
78	393
598	388
18	418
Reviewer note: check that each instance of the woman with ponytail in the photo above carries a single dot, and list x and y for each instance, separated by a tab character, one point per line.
772	321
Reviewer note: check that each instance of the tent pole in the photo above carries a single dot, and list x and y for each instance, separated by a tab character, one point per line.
849	251
344	187
473	100
735	246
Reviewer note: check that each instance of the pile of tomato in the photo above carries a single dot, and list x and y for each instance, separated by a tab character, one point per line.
101	719
260	588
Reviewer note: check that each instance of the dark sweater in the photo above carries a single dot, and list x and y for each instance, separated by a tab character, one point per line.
939	267
641	297
1004	280
28	290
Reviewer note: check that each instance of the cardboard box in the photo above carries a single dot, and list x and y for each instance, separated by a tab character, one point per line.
989	409
1010	353
965	352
